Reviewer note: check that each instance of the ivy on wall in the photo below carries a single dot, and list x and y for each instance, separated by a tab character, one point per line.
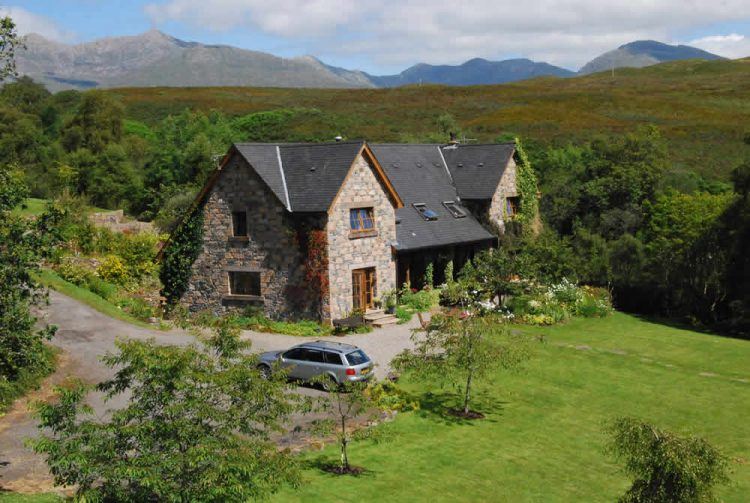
180	253
526	183
316	266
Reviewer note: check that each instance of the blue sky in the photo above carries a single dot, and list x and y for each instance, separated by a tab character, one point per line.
388	36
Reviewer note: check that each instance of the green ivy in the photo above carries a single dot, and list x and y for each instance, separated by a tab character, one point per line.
182	250
526	184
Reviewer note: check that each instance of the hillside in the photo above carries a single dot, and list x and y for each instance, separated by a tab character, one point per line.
643	53
473	72
702	107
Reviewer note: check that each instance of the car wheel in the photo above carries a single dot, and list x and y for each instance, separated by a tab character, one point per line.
265	371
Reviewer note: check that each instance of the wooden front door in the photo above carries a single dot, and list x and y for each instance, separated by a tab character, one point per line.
363	289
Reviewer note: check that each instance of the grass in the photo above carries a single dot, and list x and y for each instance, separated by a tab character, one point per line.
543	438
32	207
700	106
9	497
50	279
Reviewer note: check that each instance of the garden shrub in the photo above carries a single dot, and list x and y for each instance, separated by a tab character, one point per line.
102	288
179	255
73	273
403	314
113	270
387	396
138	308
420	301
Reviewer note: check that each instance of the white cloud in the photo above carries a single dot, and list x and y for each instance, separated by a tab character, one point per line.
399	32
28	22
732	46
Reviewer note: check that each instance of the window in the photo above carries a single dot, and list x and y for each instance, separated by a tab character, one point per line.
511	206
454	209
426	213
239	224
244	283
295	354
333	358
314	355
361	219
357	357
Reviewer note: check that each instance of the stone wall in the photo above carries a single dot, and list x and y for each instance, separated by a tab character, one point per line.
362	188
271	248
505	188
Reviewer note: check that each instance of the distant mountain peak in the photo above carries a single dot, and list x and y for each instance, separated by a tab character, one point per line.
642	53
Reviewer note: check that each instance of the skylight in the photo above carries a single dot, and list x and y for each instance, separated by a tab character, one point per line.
454	209
426	212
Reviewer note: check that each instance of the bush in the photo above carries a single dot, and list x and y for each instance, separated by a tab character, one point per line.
387	396
138	308
420	301
113	270
102	288
595	303
403	314
73	273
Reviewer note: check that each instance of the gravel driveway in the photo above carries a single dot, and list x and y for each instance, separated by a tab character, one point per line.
84	335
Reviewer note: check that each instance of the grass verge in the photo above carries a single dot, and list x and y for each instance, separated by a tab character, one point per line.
9	392
51	280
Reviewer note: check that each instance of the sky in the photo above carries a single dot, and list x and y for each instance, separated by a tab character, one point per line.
389	35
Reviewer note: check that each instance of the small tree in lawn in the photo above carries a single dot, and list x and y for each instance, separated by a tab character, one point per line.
462	349
196	427
345	402
664	466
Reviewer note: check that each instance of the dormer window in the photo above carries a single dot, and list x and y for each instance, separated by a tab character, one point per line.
453	208
425	212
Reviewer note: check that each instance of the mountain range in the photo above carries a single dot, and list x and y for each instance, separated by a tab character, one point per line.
157	59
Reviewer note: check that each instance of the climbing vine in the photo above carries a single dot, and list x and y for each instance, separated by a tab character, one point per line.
526	184
179	255
316	265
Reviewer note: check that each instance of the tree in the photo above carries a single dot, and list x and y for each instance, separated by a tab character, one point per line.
346	401
195	428
9	42
665	467
461	350
23	244
98	121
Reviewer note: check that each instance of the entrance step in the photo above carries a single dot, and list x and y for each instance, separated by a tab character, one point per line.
374	314
388	319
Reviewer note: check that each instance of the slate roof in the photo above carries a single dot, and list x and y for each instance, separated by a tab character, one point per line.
476	169
313	172
310	174
419	175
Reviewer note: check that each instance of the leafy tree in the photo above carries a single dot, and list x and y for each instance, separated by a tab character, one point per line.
195	428
461	350
9	42
25	95
23	244
665	467
98	121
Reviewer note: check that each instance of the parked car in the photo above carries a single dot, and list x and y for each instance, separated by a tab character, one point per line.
340	362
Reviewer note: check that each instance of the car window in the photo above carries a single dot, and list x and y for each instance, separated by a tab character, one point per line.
333	358
314	355
295	354
357	357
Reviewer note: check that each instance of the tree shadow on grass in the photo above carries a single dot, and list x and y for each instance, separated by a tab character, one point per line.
443	406
332	467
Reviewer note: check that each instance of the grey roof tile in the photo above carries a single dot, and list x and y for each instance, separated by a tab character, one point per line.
477	169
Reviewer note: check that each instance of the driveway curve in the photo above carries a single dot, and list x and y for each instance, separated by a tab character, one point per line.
84	335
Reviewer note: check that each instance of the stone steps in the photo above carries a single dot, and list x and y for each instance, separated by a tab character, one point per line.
378	318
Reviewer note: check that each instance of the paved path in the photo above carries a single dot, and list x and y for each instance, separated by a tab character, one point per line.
84	335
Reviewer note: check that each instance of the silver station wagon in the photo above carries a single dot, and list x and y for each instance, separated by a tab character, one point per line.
340	362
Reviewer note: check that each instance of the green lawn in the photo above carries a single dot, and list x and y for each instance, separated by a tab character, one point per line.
543	440
32	207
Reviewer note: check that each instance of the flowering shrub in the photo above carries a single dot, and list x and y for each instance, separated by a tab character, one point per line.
112	269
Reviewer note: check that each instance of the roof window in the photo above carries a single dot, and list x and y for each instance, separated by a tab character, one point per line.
454	209
426	212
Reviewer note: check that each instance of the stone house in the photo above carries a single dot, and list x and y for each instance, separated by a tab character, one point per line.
321	230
